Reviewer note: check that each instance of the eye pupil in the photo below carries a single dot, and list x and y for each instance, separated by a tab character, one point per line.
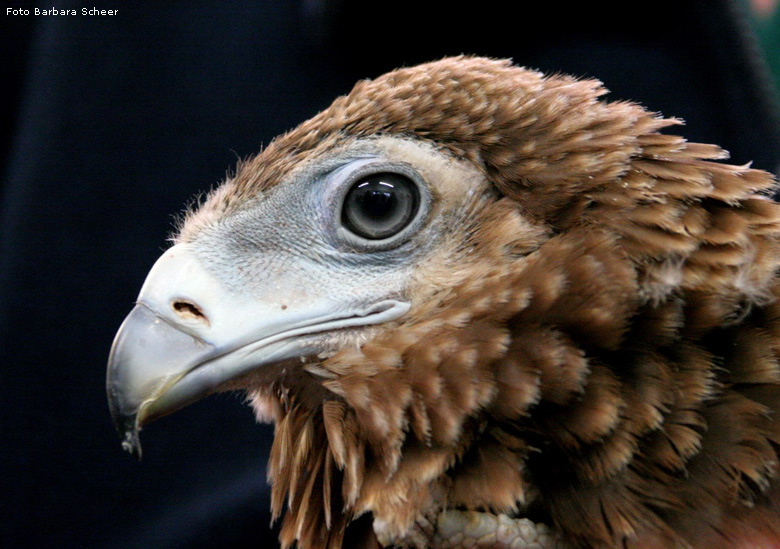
380	205
376	204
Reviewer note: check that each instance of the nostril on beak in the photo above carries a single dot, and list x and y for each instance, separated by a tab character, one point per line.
188	310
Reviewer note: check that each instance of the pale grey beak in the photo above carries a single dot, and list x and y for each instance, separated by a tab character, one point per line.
190	333
148	357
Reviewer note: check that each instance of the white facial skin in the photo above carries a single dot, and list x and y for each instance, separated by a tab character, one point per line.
282	278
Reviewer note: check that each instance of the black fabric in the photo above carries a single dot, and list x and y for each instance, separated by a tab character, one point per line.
110	124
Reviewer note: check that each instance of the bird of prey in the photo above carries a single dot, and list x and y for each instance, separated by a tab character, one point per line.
484	307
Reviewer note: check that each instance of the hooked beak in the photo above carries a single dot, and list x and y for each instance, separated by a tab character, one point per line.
190	333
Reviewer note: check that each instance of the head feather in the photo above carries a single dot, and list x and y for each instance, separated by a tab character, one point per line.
613	353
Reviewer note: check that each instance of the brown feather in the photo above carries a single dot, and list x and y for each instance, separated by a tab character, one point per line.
603	341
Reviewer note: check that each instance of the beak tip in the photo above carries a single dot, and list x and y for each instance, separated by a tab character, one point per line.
132	443
127	427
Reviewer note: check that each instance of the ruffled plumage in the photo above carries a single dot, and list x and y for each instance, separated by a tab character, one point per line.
606	350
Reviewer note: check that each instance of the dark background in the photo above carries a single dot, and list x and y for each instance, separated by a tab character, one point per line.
109	125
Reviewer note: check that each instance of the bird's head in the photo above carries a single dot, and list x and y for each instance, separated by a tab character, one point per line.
419	281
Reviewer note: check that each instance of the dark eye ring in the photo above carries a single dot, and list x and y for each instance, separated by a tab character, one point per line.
380	205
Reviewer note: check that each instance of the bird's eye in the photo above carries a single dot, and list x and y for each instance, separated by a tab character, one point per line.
380	205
